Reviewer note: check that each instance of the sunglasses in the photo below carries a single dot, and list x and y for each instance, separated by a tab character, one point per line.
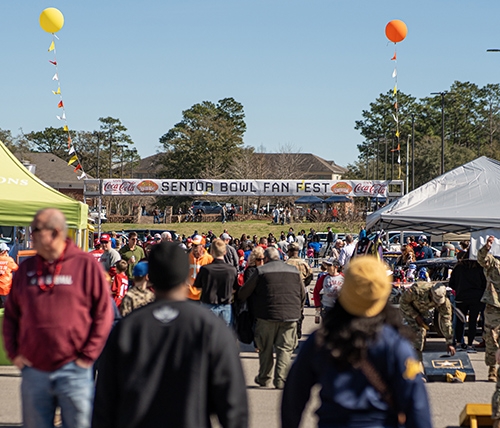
259	260
39	229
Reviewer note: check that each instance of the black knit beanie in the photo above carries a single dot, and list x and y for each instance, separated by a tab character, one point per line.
168	266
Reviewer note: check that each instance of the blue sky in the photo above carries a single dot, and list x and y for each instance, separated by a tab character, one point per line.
303	69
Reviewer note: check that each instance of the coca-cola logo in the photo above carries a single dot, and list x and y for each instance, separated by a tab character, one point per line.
370	188
121	186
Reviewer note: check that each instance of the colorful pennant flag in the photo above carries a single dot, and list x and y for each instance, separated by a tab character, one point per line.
71	149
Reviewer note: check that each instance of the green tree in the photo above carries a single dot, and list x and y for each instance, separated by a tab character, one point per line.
206	142
472	120
110	138
50	140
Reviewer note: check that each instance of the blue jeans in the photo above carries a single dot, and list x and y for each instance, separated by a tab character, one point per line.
222	311
71	388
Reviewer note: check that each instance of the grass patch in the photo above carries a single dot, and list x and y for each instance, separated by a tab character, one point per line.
235	228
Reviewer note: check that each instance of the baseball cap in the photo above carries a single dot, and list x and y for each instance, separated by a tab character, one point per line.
197	240
332	261
422	238
225	236
438	292
157	236
105	237
97	242
140	269
3	247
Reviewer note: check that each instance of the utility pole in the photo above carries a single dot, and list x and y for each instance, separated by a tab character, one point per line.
121	173
98	146
378	155
412	151
385	159
442	127
110	157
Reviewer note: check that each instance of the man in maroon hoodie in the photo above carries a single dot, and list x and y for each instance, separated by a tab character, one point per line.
57	319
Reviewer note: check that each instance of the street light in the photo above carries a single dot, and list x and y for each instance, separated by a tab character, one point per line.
122	146
412	151
442	127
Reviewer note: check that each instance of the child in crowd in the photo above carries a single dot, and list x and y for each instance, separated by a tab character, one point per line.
140	294
120	282
327	288
310	256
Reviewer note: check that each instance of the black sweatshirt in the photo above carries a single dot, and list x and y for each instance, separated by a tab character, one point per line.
170	363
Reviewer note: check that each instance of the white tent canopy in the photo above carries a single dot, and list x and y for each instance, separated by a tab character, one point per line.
462	200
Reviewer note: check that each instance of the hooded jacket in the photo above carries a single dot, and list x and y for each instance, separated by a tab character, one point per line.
70	319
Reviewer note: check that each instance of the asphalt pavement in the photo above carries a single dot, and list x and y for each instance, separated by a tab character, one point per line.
446	399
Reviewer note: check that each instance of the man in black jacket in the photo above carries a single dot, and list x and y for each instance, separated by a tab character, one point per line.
218	281
276	296
170	363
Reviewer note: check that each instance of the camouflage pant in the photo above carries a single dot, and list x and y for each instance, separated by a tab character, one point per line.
491	333
495	400
420	334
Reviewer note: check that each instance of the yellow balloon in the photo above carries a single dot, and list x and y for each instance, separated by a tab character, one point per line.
51	20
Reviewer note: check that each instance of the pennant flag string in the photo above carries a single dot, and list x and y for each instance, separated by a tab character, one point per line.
72	153
396	31
395	115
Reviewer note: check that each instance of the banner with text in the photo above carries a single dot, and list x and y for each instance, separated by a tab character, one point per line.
199	187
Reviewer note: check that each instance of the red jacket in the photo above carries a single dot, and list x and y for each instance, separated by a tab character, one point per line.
119	287
69	320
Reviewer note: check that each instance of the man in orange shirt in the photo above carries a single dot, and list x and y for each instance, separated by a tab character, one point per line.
7	266
198	257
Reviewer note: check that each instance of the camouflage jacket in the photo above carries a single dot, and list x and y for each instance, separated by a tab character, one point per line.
305	270
491	268
417	300
134	299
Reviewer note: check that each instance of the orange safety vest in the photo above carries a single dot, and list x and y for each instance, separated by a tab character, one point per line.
7	266
194	267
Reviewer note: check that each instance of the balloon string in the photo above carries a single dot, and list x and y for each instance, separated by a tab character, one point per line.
396	109
71	148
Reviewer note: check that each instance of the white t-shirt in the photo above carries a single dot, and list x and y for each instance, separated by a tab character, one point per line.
331	289
346	254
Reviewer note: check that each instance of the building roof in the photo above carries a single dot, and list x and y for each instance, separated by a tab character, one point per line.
304	164
307	163
149	166
52	170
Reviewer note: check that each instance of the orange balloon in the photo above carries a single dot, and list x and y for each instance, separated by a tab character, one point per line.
396	30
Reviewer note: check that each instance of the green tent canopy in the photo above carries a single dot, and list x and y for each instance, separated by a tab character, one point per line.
22	194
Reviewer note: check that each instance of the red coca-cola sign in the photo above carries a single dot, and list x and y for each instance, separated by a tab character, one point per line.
122	186
370	188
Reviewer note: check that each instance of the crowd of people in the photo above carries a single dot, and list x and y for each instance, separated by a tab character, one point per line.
142	332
